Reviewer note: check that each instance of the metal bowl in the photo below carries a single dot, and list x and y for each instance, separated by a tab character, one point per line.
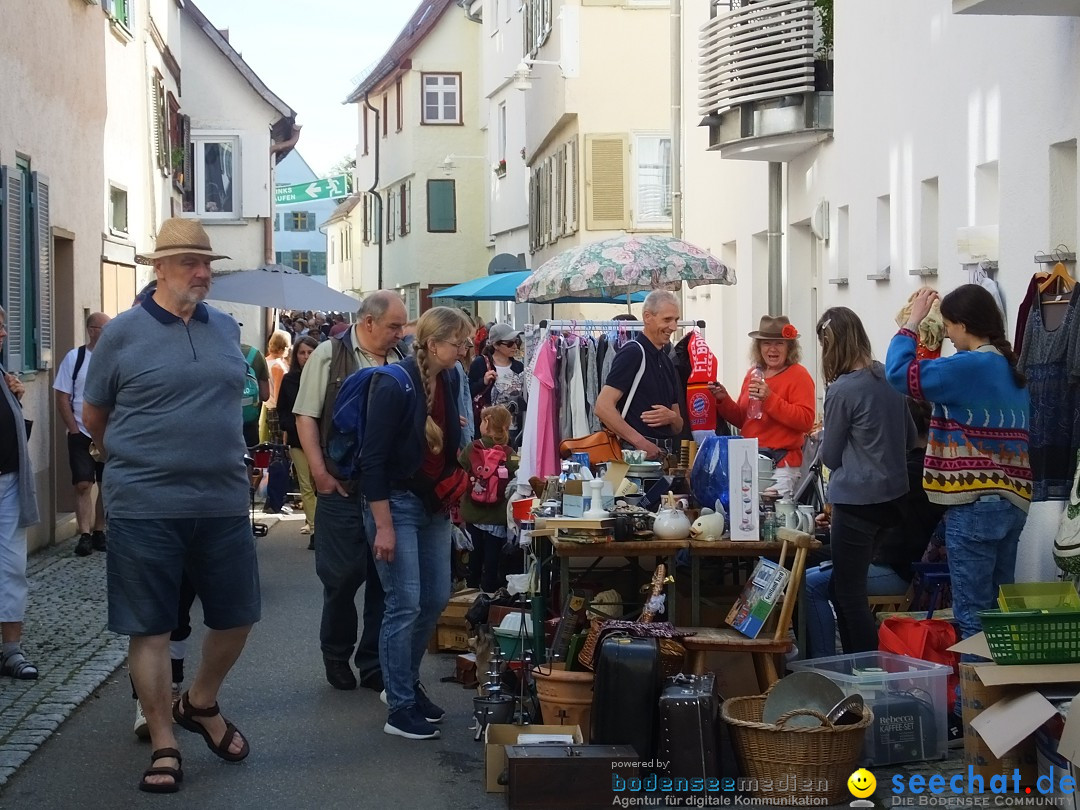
801	690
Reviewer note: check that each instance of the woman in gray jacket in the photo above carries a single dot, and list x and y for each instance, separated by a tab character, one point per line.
868	431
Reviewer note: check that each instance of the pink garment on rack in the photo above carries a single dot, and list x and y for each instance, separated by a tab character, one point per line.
547	450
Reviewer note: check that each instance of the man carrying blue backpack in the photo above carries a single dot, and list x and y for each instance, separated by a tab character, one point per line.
342	554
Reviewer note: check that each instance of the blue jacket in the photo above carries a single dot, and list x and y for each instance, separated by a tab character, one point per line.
394	442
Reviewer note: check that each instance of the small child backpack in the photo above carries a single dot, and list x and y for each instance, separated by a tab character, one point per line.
489	476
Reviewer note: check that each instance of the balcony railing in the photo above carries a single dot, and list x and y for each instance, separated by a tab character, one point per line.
755	52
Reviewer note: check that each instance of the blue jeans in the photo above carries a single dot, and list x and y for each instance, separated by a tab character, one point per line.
343	562
417	585
820	623
981	540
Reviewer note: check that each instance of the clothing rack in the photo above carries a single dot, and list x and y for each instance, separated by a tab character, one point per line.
592	326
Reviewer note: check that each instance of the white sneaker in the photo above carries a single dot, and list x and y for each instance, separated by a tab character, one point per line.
382	697
286	509
141	728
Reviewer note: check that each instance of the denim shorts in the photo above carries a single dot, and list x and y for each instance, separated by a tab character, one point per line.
147	558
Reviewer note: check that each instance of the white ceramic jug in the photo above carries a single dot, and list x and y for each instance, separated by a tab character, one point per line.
806	518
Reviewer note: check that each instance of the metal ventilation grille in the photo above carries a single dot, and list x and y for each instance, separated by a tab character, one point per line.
760	51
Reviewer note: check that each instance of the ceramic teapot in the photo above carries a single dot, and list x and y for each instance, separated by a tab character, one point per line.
787	514
671	522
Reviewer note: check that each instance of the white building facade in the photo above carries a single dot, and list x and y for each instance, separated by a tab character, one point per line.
298	236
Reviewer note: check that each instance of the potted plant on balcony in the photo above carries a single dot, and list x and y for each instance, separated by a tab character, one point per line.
500	168
823	51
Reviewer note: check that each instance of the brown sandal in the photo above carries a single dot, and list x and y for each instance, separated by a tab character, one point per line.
220	748
176	773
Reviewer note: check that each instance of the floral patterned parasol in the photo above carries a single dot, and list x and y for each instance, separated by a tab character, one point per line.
623	265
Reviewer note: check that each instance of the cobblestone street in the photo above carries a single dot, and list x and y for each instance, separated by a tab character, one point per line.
64	634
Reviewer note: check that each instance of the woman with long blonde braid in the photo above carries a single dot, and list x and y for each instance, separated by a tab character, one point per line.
409	476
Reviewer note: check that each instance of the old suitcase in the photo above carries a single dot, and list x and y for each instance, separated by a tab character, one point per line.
625	693
580	777
689	740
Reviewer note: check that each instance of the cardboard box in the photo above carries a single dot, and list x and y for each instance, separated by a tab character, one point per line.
449	638
458	606
758	598
1003	739
497	737
573	499
743	489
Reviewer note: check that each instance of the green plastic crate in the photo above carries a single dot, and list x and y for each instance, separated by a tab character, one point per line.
1032	636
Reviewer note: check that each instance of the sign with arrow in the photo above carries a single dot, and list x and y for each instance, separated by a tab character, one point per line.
326	188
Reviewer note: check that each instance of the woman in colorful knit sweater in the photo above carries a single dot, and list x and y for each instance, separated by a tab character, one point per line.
785	393
977	451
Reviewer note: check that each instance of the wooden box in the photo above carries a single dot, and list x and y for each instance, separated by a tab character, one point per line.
451	638
566	776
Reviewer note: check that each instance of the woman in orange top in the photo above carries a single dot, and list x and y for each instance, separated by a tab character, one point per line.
784	390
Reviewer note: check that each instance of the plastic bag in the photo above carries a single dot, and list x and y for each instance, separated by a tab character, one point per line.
709	476
925	639
461	539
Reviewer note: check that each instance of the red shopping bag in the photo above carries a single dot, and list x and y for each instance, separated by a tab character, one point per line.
926	639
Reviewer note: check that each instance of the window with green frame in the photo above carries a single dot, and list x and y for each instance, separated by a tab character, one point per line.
119	10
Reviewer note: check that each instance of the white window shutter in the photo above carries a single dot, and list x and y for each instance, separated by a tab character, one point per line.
43	269
11	183
607	191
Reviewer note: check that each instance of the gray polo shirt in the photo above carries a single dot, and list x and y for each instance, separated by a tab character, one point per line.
174	436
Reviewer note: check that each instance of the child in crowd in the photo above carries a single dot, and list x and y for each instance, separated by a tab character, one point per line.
483	506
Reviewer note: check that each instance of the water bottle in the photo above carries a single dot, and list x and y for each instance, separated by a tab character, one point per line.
753	407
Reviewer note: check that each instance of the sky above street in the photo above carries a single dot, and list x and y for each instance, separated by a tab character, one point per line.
309	55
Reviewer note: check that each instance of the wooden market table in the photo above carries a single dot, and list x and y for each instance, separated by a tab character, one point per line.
632	549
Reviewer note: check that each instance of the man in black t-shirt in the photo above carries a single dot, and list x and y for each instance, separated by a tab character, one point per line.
652	415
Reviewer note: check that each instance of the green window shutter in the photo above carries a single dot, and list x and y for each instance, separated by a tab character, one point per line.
441	206
318	263
277	222
279	257
287	223
311	221
11	265
43	270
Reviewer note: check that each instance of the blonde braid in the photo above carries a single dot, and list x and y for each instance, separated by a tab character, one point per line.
432	432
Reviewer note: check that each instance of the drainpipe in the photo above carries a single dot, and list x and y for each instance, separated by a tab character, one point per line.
374	190
776	199
268	226
676	121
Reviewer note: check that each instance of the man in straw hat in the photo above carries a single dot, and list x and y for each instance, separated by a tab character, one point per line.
162	402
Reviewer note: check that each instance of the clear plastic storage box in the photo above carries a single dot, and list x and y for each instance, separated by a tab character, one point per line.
909	699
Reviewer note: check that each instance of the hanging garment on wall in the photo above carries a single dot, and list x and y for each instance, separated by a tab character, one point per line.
579	417
1031	295
1054	416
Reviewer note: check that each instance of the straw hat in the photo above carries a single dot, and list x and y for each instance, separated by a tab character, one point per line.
180	235
775	328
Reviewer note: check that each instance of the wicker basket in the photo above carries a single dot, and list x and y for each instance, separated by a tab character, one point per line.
799	762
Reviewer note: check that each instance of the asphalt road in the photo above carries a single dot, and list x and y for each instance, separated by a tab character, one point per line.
312	746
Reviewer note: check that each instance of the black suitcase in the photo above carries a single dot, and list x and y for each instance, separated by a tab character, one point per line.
689	731
625	692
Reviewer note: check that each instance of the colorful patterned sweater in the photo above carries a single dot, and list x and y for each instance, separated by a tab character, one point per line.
978	442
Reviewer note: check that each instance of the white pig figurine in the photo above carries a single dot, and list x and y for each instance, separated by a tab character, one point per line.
710	525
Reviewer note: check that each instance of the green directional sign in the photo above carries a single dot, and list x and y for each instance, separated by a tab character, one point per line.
326	188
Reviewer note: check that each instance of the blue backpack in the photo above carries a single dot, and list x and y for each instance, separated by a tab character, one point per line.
350	412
